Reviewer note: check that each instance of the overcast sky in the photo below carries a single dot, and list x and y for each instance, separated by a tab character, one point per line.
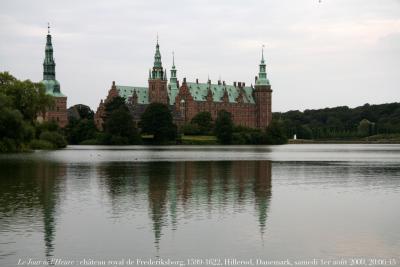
333	53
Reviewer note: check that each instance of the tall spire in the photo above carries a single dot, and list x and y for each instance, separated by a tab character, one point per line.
262	53
158	72
49	66
173	79
262	74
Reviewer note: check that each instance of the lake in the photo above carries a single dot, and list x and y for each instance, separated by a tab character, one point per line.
201	204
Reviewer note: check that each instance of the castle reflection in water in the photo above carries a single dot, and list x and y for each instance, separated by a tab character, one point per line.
169	191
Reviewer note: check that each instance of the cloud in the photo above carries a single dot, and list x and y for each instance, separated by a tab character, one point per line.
318	54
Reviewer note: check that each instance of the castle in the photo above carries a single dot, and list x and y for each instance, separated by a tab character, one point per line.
249	106
57	113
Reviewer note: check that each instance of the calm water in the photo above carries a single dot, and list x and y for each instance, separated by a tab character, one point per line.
282	202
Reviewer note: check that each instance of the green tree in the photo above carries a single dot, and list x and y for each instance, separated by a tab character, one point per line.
204	122
114	104
14	132
121	128
27	97
20	104
157	120
54	138
365	128
81	126
224	127
80	130
275	134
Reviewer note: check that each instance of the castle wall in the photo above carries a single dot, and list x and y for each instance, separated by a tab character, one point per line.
263	103
59	112
253	115
244	114
158	91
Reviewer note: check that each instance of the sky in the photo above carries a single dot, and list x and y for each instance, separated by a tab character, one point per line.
318	54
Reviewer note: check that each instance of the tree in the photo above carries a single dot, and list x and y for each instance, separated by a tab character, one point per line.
204	122
119	127
114	104
224	127
20	104
81	126
275	134
14	132
365	128
157	120
80	130
27	97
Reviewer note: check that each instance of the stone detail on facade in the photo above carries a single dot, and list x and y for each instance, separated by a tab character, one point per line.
250	106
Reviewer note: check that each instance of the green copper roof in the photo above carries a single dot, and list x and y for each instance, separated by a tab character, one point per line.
49	70
173	83
172	92
127	92
157	72
199	92
52	88
262	74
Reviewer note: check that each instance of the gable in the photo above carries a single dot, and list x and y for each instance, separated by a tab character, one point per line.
127	92
199	92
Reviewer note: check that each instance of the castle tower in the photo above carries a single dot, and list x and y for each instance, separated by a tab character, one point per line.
158	80
263	95
58	113
173	81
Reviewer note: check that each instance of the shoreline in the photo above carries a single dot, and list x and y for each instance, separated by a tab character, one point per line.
305	141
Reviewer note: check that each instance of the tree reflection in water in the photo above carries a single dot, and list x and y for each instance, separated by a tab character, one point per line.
180	189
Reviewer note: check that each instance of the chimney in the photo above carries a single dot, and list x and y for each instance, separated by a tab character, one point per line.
239	84
197	80
184	80
219	82
244	84
234	84
223	82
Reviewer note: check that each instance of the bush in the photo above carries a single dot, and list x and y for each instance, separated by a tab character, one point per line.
91	142
117	140
54	138
8	145
239	139
203	120
41	145
190	129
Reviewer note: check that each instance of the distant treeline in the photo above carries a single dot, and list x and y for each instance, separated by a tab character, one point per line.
342	122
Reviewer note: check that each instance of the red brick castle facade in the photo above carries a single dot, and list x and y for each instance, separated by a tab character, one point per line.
250	106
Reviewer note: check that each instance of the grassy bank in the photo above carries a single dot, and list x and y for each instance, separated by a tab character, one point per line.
374	139
199	140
